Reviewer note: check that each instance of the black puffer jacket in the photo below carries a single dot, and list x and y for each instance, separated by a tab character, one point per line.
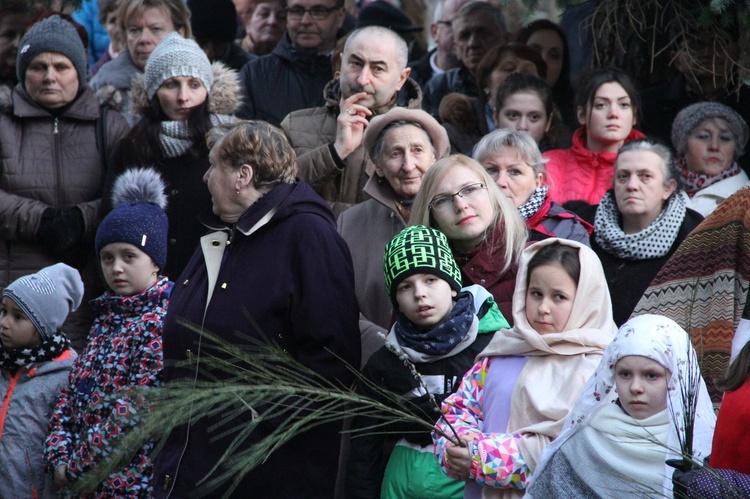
287	79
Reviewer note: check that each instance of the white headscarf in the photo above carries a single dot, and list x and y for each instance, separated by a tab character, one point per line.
551	380
662	340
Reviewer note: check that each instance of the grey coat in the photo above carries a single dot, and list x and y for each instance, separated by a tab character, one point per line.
367	228
30	396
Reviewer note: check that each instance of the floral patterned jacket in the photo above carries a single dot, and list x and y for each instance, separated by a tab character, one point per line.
96	410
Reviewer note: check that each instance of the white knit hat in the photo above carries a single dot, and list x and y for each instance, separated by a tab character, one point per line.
177	56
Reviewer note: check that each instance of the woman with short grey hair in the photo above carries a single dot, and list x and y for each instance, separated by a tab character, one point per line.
640	222
513	160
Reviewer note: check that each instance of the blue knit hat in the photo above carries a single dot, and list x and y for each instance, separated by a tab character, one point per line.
138	218
48	296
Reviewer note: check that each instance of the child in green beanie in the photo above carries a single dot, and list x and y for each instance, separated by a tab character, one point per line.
440	329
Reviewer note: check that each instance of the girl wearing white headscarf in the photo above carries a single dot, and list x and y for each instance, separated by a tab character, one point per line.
513	402
603	451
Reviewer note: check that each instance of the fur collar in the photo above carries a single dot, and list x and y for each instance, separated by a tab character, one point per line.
6	102
224	97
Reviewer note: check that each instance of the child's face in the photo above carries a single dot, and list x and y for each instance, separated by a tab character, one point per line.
425	299
641	385
549	298
16	330
127	269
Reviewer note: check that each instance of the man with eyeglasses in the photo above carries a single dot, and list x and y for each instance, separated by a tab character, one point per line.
328	140
442	57
294	75
477	27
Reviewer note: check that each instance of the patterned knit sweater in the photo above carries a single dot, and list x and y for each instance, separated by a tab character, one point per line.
704	285
97	410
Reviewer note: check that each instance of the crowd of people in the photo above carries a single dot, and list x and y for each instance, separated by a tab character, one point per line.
458	232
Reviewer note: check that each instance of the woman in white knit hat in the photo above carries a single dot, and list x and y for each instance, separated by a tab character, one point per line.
179	99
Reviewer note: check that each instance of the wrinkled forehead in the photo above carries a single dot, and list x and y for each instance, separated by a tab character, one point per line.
473	23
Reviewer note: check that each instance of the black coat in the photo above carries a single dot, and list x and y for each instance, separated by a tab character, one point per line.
293	277
421	69
628	279
370	452
187	197
286	80
459	80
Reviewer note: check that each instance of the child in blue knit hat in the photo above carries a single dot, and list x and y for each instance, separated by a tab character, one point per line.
124	349
440	329
35	359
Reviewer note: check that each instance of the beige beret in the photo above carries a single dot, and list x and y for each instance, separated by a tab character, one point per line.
435	130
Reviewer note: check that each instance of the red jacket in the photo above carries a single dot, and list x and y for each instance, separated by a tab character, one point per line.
731	438
580	174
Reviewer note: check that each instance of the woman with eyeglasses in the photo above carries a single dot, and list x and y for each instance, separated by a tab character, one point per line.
513	160
485	230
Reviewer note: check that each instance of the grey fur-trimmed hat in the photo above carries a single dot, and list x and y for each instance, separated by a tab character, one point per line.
435	130
48	296
53	34
177	56
690	117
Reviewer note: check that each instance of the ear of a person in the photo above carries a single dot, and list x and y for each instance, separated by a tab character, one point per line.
402	78
246	176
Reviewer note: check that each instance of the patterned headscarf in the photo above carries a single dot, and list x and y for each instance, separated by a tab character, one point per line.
664	341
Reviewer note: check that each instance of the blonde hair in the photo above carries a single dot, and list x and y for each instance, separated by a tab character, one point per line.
513	230
178	13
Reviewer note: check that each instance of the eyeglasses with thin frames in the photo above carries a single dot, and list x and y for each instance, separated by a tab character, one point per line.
445	202
318	12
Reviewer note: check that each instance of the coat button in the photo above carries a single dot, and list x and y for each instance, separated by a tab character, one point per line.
175	192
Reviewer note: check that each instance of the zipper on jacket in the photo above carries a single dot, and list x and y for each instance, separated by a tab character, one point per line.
7	398
55	128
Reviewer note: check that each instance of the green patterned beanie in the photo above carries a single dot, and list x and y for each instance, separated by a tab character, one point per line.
419	250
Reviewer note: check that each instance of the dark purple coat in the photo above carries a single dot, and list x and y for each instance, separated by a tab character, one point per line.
294	277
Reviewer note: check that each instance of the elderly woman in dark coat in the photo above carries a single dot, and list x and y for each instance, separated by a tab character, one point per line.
271	267
403	144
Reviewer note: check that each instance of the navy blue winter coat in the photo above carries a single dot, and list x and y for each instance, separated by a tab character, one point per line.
293	275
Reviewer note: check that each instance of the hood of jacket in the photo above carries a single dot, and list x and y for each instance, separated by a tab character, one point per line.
410	96
85	106
224	97
306	59
286	200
